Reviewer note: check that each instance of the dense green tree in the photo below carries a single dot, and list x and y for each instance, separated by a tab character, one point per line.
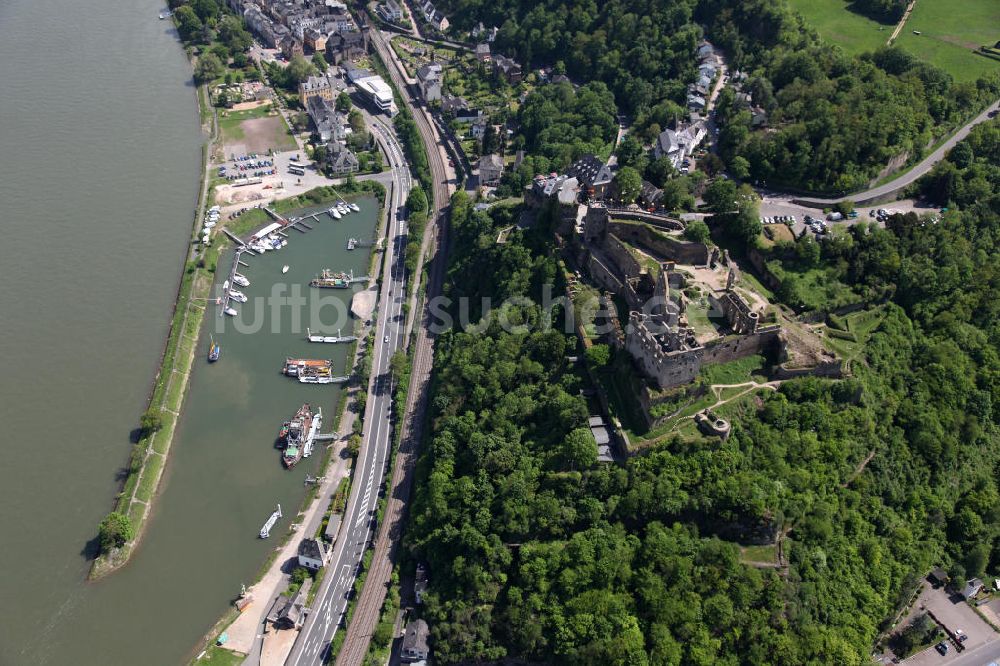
115	531
627	184
697	231
209	68
188	24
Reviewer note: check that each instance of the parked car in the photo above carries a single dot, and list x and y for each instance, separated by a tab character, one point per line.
942	647
835	216
853	214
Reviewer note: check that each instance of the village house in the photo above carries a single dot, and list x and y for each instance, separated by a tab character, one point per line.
478	130
593	175
415	646
291	47
343	46
490	169
508	69
390	11
429	78
420	583
312	554
328	123
289	613
340	159
679	144
483	52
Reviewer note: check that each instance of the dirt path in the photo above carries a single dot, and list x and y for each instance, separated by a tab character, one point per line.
751	386
860	468
902	22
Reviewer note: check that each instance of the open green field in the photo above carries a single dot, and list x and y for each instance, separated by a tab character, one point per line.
949	33
257	129
839	25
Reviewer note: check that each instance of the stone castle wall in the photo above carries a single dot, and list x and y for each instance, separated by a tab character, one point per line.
665	248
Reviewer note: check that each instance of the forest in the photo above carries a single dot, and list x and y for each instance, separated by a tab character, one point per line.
834	120
536	552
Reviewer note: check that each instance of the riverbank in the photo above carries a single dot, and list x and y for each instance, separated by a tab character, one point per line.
149	455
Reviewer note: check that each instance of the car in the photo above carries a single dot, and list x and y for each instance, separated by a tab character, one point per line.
961	636
942	648
385	339
853	214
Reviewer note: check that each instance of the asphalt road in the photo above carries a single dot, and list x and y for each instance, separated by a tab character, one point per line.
894	186
435	246
324	618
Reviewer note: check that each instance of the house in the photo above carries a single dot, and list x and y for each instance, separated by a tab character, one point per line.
593	174
453	105
340	159
560	78
938	577
332	527
483	52
314	40
678	144
696	102
490	169
328	123
479	128
420	583
415	642
291	47
288	613
439	21
650	194
327	86
429	79
343	46
468	115
390	11
972	588
508	69
312	554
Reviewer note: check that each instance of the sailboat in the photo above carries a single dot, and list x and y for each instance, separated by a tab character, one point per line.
213	351
284	269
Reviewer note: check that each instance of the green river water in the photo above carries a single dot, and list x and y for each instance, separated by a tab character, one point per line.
99	167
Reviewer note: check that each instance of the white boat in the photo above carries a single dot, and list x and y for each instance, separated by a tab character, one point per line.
237	296
284	269
344	210
334	213
317	420
355	207
241	280
231	311
265	531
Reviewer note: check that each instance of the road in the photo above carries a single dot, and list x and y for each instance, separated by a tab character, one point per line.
366	615
330	603
887	191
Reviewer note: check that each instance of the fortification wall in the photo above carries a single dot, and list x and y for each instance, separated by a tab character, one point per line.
833	369
735	347
625	261
661	246
603	275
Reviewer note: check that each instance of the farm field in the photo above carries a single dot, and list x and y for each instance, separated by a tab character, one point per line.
950	31
839	25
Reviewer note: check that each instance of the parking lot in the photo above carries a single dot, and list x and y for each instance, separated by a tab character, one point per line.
952	611
771	208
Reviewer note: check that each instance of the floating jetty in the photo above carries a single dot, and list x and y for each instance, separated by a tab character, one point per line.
265	531
330	338
355	242
330	280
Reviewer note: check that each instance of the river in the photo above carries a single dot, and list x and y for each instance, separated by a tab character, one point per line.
99	167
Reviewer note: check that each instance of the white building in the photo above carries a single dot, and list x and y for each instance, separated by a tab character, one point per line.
312	554
374	89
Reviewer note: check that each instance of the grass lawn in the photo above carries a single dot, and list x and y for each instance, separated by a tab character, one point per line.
233	130
839	25
768	553
734	372
950	31
149	478
219	656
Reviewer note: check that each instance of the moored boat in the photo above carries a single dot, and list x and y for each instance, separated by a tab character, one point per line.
241	280
231	311
354	207
330	280
296	431
237	296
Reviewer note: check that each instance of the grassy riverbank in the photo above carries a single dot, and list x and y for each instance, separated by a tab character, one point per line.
149	454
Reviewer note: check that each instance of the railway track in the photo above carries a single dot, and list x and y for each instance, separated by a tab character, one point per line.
366	615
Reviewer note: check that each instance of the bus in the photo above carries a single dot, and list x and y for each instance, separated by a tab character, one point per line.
297	170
